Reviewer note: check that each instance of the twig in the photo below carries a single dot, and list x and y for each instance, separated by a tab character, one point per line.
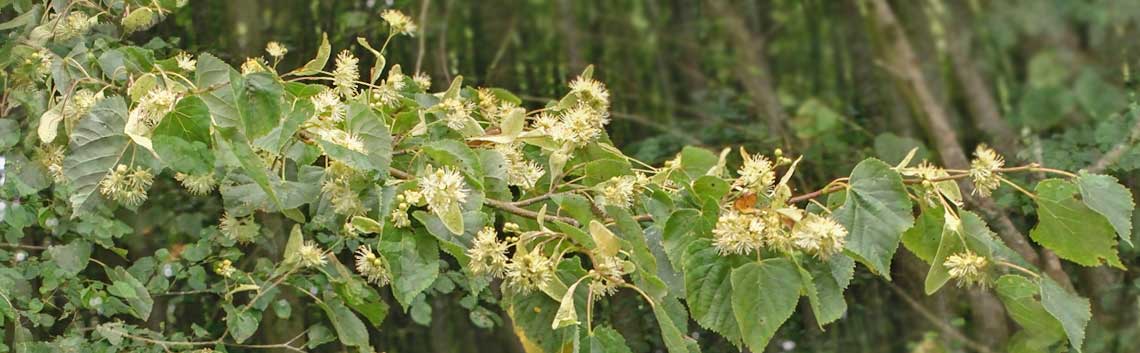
499	204
23	246
424	6
960	174
950	331
1113	155
166	344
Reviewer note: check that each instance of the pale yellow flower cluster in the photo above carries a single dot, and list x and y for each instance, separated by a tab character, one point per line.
488	254
984	170
521	172
399	22
153	107
374	268
966	267
200	184
346	74
528	271
443	188
127	185
242	230
742	233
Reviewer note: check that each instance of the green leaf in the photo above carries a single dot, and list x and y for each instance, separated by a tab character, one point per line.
683	226
1025	342
710	187
456	154
603	169
182	140
454	244
454	89
349	328
112	331
319	334
876	212
241	323
414	259
575	234
27	18
824	292
763	297
1019	295
697	161
421	311
531	315
923	239
298	112
9	133
71	258
361	297
981	240
253	166
1072	230
282	309
242	111
140	300
120	63
122	290
605	339
97	145
318	63
1069	308
576	206
249	104
672	333
646	276
708	288
261	111
366	125
892	148
248	196
1105	195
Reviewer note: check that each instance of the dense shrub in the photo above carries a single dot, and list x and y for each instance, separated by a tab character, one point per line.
345	192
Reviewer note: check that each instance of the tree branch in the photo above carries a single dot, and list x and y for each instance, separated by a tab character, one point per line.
505	206
1116	152
950	331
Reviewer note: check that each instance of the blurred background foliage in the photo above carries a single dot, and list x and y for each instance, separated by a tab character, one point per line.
1046	81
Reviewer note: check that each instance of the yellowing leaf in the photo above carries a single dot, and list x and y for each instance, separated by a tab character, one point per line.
318	63
566	315
367	225
49	125
293	245
607	243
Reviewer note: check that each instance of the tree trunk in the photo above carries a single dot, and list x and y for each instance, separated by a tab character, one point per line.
979	98
902	61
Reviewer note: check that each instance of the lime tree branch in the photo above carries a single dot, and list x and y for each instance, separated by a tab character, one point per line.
958	174
166	344
505	206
